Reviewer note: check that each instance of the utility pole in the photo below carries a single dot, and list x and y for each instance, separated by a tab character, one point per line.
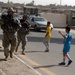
8	4
60	2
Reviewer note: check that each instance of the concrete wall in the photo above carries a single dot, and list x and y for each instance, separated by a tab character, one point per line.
58	20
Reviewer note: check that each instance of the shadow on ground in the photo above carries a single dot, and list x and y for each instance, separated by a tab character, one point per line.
47	66
2	59
33	51
53	40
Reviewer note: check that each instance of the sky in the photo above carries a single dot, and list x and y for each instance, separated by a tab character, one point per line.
44	2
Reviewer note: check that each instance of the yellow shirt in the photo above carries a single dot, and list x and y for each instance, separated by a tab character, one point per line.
48	30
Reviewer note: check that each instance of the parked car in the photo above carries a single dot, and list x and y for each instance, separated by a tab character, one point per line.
17	15
37	22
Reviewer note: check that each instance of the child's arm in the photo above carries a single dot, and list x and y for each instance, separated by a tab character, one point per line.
62	34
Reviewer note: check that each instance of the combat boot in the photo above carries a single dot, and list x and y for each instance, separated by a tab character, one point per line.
47	50
23	52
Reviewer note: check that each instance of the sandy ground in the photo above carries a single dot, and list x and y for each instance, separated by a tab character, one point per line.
13	66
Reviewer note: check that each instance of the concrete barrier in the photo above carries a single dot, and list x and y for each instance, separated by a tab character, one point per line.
58	20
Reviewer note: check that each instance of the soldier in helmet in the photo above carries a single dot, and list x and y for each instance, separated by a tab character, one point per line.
23	31
9	27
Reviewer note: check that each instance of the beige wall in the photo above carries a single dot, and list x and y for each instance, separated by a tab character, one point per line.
58	20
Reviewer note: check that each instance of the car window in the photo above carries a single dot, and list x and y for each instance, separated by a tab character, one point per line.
16	15
29	18
4	13
32	19
39	19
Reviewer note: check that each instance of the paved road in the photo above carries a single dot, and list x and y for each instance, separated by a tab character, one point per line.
47	63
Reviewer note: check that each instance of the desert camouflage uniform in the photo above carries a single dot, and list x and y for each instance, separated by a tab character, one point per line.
9	28
21	35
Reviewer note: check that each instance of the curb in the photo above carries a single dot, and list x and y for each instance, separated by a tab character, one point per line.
28	65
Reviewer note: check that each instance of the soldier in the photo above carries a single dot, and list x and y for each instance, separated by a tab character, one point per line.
9	27
23	31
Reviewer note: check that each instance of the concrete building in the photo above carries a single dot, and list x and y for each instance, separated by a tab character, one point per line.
31	10
65	14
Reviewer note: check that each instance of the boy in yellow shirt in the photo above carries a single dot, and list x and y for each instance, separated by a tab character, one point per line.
47	37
